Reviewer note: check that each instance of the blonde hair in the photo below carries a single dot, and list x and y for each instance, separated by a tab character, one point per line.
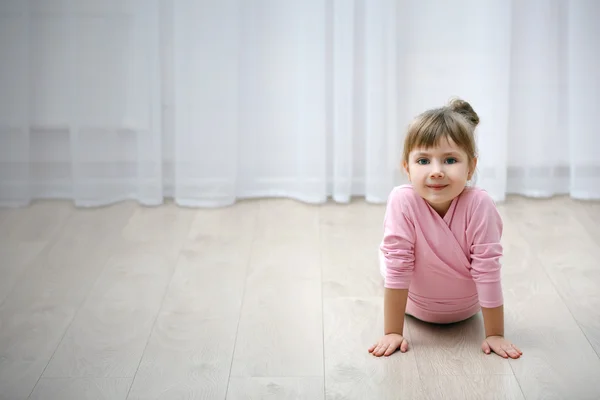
456	121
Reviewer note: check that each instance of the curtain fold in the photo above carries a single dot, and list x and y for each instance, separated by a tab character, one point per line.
583	99
210	102
15	113
207	103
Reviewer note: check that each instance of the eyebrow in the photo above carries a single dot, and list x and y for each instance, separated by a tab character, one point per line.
451	153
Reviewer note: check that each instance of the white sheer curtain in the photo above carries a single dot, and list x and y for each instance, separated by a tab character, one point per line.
216	100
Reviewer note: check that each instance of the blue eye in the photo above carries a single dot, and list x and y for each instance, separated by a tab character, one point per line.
451	160
422	161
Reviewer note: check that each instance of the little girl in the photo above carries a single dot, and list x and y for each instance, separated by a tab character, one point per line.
440	253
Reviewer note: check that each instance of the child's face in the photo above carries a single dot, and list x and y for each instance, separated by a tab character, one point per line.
439	174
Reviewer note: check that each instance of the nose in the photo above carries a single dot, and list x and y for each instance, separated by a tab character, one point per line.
437	171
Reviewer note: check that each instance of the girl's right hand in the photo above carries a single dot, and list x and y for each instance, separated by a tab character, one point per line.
388	344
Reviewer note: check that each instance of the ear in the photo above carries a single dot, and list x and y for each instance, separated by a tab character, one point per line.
473	168
405	168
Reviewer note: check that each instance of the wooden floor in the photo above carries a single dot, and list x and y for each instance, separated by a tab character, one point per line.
274	299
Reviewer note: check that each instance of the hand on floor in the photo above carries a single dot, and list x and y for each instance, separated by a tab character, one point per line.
388	344
500	346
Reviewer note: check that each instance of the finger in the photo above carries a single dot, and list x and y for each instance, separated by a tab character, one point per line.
381	349
517	349
512	353
390	350
373	348
385	349
376	349
486	347
404	346
501	352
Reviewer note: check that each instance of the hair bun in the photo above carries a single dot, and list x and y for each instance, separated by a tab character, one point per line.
464	108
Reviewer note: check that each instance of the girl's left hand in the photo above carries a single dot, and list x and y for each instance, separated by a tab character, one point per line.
500	346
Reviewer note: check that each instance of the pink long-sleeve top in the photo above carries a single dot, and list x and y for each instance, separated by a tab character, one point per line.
450	265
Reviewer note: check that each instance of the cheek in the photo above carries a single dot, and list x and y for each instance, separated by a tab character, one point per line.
419	174
460	172
411	169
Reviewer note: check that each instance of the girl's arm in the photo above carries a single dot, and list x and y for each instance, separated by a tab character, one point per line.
394	305
493	320
398	244
486	233
397	255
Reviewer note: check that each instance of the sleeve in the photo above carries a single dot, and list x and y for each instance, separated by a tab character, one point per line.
485	231
397	247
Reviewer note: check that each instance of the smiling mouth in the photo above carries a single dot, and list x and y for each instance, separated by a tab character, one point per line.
436	187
